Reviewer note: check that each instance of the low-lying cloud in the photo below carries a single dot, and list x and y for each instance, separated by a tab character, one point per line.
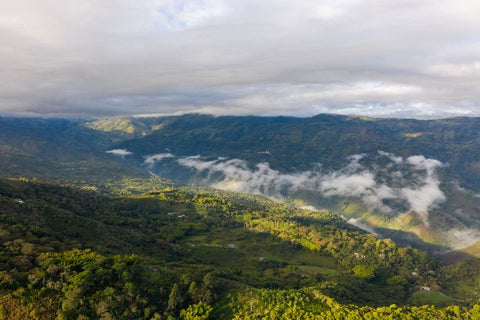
154	158
462	238
412	181
120	152
357	222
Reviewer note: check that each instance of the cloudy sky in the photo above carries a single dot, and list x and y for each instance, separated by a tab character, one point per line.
384	58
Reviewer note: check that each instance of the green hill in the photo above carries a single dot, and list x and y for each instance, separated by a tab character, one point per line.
60	150
68	253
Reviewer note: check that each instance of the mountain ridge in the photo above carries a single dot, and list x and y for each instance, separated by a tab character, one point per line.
318	150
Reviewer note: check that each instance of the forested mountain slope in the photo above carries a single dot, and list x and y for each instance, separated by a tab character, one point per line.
411	180
68	253
60	150
300	143
416	181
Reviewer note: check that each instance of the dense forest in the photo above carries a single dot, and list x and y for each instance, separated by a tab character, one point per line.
273	153
169	252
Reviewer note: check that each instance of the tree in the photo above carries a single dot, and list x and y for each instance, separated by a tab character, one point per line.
175	298
364	272
199	311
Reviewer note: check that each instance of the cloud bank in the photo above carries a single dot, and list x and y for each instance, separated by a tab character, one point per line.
412	181
376	57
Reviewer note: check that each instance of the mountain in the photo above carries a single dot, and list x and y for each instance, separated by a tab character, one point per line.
62	150
418	177
413	180
325	139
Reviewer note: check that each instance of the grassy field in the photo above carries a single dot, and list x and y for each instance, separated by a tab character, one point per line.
429	297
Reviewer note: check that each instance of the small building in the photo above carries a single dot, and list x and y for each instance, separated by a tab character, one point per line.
232	246
425	288
261	259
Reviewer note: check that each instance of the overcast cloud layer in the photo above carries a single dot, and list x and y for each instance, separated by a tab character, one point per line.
381	58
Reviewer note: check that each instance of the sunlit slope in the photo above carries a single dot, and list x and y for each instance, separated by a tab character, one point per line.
413	180
416	181
218	252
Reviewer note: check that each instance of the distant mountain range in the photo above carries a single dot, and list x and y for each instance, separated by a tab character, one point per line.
415	181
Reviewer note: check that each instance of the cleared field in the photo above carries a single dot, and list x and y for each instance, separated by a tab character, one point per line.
429	297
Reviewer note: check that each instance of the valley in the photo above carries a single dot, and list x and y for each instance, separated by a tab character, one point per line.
194	217
210	246
415	181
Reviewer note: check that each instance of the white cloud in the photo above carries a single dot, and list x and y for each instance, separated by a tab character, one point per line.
462	238
325	12
420	194
426	195
185	14
357	222
236	176
379	57
120	152
392	157
421	163
456	70
152	159
310	208
355	185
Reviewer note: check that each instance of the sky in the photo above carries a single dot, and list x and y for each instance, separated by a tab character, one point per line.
379	58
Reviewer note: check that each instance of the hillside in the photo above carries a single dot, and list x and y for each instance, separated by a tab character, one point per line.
182	252
414	181
60	150
325	139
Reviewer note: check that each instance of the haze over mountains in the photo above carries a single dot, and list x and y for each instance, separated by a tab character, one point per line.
415	181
